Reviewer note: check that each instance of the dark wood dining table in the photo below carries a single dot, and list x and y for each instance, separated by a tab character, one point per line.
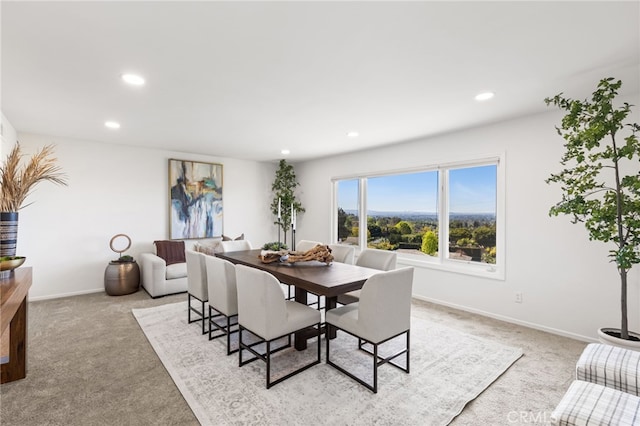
316	277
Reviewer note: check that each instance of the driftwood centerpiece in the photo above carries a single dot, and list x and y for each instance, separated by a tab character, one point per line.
319	253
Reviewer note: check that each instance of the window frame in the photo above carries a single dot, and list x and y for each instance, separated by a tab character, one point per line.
442	261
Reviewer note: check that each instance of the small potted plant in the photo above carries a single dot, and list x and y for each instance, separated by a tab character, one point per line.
275	246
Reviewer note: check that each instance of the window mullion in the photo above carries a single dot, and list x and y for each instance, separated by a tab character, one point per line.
443	214
362	240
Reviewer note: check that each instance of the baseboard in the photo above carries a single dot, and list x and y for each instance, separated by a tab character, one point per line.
510	320
58	296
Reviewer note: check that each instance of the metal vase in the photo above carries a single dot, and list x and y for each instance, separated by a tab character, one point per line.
8	233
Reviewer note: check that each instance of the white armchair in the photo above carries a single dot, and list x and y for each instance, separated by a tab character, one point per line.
160	279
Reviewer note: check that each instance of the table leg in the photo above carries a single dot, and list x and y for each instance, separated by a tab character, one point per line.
331	303
16	368
300	336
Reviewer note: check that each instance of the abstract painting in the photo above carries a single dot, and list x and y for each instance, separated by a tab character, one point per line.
196	199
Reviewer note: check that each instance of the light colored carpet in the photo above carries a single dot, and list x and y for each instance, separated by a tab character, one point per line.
449	368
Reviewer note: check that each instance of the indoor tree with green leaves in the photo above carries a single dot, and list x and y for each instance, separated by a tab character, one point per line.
600	181
283	187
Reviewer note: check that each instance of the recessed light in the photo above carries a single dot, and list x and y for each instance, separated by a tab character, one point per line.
285	152
112	124
133	79
353	134
484	96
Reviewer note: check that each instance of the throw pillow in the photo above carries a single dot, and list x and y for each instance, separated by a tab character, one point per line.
210	248
225	238
171	251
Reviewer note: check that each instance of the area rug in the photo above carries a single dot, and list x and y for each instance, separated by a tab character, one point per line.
448	369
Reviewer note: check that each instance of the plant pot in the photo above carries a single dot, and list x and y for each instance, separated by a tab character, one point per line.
608	339
121	278
8	233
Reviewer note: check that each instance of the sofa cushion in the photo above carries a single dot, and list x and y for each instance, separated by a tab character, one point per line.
177	270
610	366
171	251
225	238
587	403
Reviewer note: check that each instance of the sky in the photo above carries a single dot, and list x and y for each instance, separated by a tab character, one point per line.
472	190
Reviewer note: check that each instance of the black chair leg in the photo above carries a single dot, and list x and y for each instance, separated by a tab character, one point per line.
377	361
203	318
201	313
267	355
375	368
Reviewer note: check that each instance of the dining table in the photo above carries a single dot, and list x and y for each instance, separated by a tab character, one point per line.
322	279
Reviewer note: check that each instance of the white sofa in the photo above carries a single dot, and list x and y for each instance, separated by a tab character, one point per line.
160	276
160	279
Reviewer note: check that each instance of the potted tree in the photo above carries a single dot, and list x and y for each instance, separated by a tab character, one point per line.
284	204
601	183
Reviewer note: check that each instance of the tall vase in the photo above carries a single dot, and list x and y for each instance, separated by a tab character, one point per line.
8	233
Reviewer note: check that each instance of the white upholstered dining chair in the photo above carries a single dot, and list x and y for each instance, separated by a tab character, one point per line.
264	311
343	253
303	246
383	260
306	245
235	245
223	299
382	313
196	287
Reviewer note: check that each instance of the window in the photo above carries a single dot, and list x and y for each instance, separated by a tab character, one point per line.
472	214
348	222
401	210
444	216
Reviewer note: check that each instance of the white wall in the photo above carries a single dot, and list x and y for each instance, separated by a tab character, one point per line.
8	137
568	285
116	189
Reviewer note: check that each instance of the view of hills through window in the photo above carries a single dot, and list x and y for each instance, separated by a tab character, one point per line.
403	213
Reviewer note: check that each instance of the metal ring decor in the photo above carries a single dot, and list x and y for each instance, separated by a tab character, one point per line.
120	251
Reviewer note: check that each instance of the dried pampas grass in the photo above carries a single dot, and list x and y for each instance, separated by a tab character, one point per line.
17	181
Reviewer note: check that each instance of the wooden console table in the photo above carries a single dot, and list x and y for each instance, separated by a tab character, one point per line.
13	324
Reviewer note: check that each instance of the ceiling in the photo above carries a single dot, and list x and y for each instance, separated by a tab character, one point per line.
248	79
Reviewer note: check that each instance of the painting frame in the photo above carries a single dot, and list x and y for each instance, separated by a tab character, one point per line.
195	199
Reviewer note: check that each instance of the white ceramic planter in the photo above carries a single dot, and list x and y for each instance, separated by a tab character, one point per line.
615	341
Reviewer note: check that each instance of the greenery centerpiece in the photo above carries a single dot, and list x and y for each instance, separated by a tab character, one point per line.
600	181
275	246
284	204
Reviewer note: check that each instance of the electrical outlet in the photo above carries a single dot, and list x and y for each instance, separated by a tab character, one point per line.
518	297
